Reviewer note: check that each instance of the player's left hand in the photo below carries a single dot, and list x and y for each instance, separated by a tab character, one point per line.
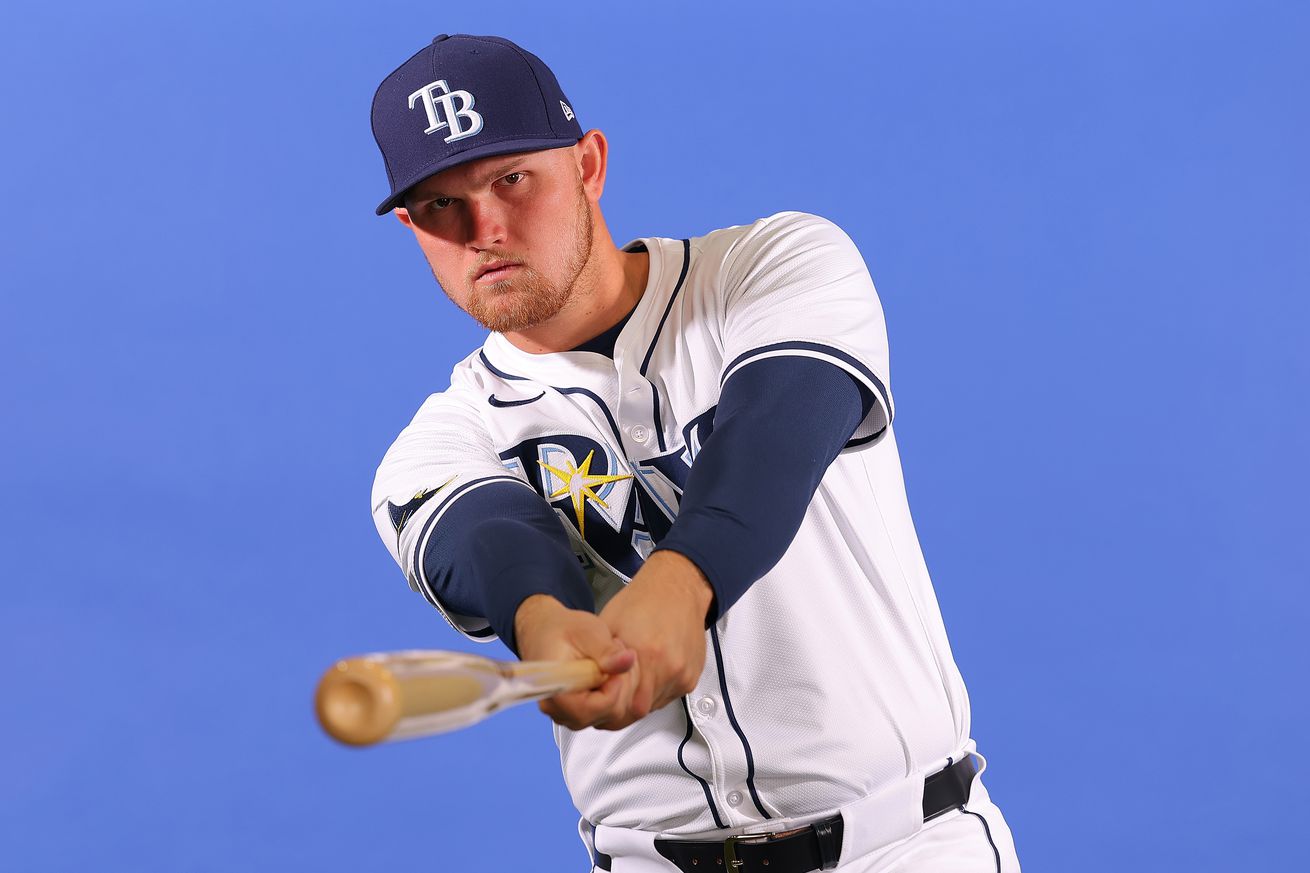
661	616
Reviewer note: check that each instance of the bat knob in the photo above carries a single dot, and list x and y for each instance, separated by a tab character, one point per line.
358	702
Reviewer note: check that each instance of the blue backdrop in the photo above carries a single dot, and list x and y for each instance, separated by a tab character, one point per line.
1089	227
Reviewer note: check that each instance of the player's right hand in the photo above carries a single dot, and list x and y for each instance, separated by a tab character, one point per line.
547	630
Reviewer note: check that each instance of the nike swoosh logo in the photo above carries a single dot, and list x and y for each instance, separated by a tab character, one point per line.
501	404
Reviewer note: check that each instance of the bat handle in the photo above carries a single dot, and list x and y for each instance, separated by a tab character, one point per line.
557	676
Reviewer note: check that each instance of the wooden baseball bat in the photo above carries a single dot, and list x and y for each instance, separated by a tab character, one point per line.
400	695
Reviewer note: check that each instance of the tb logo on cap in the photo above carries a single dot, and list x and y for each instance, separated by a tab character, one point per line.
442	112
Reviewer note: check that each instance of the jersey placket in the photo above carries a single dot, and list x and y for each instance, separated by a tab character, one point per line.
640	433
705	706
636	413
728	766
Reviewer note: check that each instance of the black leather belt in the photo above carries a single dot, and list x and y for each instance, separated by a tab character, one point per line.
814	847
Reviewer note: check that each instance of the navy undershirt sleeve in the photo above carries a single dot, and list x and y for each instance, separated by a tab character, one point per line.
780	423
496	546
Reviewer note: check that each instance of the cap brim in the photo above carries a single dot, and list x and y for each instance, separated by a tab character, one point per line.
487	150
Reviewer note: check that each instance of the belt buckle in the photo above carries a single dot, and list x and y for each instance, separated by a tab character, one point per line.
730	859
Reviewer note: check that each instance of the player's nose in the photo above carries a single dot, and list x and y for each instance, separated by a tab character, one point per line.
486	225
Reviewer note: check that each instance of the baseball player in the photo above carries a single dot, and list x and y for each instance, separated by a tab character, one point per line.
677	458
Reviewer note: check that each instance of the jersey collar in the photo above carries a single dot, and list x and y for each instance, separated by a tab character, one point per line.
577	368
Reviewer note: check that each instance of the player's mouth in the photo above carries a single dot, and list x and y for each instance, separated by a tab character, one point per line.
494	272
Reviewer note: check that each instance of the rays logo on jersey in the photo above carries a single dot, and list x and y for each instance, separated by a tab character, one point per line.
619	508
442	112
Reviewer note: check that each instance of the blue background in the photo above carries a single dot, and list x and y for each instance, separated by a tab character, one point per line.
1090	231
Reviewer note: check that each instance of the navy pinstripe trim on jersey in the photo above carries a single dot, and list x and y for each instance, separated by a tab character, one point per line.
686	262
862	440
504	404
423	589
705	786
732	720
499	372
421	577
987	829
659	426
798	345
609	416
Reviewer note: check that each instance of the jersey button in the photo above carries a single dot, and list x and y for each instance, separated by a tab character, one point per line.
706	705
640	434
734	798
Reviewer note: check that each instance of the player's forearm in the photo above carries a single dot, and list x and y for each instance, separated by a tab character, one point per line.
497	547
779	425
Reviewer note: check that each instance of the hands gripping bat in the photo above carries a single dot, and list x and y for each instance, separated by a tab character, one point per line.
400	695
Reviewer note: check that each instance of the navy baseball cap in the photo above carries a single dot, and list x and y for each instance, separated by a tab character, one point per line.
461	98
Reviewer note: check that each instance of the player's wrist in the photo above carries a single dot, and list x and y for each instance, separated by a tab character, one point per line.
534	612
684	578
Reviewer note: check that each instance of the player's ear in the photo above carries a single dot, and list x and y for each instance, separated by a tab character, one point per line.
403	214
592	155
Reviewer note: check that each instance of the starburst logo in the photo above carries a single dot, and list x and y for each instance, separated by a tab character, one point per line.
579	483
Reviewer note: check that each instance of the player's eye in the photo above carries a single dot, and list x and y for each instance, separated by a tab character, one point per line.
513	179
439	203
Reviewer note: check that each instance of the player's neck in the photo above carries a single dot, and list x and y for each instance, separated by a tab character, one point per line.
609	287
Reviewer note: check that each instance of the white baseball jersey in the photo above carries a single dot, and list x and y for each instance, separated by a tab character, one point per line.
831	679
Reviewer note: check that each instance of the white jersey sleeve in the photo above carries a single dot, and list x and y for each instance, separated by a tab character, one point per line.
442	455
795	284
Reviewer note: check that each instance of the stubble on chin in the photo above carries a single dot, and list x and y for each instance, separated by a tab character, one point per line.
528	298
524	301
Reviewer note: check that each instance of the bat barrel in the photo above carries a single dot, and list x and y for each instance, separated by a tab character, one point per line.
370	699
388	696
359	701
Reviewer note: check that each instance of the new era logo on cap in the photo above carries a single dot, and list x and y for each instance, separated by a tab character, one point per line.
462	98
